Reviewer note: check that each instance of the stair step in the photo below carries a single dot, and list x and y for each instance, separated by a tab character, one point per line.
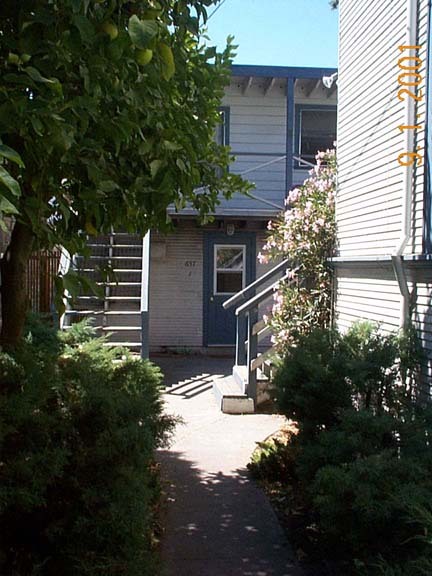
124	344
83	312
115	312
230	397
117	284
121	328
114	257
134	270
240	374
137	246
95	326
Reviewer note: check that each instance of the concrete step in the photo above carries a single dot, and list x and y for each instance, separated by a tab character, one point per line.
230	397
240	374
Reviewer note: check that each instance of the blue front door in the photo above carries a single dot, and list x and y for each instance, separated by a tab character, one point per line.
229	265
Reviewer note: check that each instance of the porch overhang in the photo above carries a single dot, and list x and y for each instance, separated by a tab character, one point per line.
226	213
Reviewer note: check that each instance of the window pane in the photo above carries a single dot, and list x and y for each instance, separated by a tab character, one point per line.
229	282
229	258
318	131
220	129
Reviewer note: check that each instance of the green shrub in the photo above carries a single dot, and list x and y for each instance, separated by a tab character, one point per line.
77	476
311	384
361	464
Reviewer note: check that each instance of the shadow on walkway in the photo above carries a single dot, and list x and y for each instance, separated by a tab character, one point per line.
189	376
219	524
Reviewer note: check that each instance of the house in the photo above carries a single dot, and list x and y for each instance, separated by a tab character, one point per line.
384	267
275	119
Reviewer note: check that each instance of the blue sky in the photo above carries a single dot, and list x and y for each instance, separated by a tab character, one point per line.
278	32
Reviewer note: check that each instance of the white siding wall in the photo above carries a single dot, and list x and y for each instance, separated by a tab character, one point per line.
370	186
258	135
370	178
176	289
368	295
258	127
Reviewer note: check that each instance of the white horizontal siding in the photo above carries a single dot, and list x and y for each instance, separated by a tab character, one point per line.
376	299
257	129
176	290
370	180
420	135
258	136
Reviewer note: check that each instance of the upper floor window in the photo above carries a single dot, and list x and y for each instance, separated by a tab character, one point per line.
222	129
315	131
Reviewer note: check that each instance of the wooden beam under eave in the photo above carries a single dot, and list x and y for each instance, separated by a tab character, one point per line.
332	90
269	86
310	87
247	85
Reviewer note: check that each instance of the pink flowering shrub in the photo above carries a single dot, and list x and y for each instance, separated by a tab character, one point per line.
305	234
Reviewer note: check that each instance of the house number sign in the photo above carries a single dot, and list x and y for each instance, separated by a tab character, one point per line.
410	79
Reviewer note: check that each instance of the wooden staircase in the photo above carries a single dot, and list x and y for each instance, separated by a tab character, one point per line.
116	312
250	383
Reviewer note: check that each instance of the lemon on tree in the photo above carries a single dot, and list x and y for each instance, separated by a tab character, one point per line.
143	57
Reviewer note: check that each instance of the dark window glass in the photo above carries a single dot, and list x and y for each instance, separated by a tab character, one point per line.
317	132
229	282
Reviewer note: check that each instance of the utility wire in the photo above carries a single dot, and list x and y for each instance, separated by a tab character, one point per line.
216	9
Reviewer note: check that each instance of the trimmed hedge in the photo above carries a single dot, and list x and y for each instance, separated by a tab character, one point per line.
78	483
360	467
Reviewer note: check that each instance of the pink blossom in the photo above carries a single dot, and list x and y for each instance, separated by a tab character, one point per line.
293	195
262	258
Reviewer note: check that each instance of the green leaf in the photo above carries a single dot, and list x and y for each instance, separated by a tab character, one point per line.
37	76
37	125
142	32
107	186
7	207
10	183
11	155
154	167
85	27
167	57
180	163
172	146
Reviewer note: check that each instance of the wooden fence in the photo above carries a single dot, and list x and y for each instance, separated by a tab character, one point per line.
42	269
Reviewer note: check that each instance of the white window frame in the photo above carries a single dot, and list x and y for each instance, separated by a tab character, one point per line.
216	269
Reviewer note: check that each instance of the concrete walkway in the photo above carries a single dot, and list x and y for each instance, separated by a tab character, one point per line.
218	522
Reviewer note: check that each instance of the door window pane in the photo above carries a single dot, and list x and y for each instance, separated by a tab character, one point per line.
229	269
229	283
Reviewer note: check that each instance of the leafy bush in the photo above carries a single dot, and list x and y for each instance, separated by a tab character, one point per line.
77	476
361	464
305	233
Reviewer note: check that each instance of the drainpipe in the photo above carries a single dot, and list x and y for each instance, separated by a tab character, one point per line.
398	267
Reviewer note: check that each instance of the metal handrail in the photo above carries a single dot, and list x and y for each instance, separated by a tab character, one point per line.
242	295
256	300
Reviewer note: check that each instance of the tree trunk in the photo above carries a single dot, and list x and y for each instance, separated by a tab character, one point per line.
14	298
